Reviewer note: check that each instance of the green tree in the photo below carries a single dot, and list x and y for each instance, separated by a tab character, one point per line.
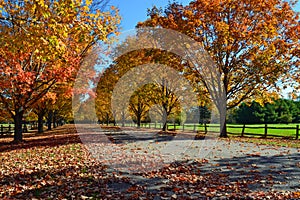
283	110
297	114
250	114
271	115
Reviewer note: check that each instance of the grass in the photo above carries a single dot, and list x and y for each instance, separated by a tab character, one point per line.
273	130
7	125
254	130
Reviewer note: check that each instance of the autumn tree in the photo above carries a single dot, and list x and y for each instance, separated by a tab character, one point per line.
55	106
4	114
139	105
62	110
41	108
104	89
146	69
42	44
166	99
253	43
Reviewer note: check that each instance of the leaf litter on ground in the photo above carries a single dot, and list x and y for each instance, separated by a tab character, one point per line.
56	165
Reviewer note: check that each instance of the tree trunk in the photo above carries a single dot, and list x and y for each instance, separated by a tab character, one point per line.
50	118
107	119
40	123
164	119
54	119
138	121
123	118
18	133
223	112
164	126
224	130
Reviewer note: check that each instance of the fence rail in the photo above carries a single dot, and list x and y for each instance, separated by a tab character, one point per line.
267	130
8	129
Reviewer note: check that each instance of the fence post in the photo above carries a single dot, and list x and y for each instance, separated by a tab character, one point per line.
1	128
297	132
25	128
9	128
174	126
266	130
243	130
205	128
182	127
194	127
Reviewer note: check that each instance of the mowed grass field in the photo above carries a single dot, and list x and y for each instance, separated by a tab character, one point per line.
273	130
284	130
7	125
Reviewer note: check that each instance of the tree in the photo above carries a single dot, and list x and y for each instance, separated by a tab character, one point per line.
42	44
56	106
205	114
163	90
282	108
253	43
167	99
270	113
297	114
293	109
139	104
42	107
104	90
250	114
4	115
277	111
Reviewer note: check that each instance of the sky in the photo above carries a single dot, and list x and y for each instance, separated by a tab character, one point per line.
134	11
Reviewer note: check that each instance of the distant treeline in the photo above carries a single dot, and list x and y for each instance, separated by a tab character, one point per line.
279	111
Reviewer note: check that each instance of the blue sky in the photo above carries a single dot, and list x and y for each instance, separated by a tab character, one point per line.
133	11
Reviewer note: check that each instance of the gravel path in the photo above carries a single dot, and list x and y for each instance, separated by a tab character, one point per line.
263	167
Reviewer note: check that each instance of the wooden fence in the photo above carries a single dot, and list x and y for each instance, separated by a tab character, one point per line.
6	130
267	128
9	129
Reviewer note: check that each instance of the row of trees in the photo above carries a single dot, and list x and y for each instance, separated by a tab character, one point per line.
255	45
160	98
279	111
42	45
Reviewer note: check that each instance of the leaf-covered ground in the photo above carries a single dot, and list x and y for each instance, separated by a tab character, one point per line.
56	165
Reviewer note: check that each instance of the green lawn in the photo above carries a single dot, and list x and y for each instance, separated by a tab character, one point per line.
7	125
284	130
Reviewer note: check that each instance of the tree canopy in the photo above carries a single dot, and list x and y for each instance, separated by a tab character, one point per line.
42	44
253	43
